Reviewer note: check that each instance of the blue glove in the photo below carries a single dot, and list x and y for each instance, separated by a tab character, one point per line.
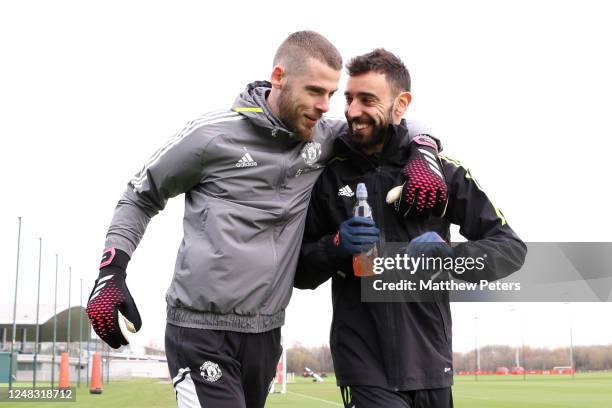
356	235
429	244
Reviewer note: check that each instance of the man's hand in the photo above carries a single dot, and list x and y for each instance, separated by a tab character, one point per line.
429	244
356	235
111	297
423	191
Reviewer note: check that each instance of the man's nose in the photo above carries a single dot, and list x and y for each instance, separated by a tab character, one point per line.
353	110
322	104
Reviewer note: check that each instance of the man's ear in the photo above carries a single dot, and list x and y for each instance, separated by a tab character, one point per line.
401	104
278	74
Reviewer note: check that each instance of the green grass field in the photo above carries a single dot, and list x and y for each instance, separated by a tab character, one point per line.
586	391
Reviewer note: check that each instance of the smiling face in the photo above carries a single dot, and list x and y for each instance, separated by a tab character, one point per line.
304	96
368	109
377	95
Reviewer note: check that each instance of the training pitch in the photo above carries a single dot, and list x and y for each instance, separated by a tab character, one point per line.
558	391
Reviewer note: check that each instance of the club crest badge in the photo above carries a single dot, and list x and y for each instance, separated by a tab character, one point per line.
311	152
210	371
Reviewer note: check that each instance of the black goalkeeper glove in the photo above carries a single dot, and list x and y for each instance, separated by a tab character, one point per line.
423	190
111	297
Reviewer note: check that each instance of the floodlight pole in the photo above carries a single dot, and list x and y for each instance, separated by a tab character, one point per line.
54	326
15	308
523	347
69	306
37	314
518	362
284	363
571	341
88	345
476	351
80	332
572	352
107	363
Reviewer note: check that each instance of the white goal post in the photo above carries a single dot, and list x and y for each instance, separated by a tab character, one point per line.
279	383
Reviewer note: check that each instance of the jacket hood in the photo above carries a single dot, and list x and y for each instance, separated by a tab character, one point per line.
252	103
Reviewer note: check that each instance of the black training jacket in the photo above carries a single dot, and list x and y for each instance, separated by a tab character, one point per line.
407	345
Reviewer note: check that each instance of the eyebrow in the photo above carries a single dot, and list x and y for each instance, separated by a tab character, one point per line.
319	89
363	95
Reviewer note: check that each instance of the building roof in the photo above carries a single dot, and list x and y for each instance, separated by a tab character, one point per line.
26	319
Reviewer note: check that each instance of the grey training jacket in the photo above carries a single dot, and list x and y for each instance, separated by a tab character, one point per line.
247	183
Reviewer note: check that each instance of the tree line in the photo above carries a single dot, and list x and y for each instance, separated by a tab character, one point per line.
586	358
316	358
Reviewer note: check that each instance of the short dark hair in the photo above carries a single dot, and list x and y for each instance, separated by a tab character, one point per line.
383	62
301	45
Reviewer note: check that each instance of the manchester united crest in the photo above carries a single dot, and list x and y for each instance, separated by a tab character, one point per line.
210	371
311	152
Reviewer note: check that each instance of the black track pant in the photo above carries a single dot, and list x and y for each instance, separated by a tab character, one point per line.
221	369
360	396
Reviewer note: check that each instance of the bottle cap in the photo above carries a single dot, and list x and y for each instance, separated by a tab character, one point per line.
362	191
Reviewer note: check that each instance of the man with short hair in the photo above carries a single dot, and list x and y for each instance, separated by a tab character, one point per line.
247	174
393	354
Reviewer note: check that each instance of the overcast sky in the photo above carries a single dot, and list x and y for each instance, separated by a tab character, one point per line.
519	91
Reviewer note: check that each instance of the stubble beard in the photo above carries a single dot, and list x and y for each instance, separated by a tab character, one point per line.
289	115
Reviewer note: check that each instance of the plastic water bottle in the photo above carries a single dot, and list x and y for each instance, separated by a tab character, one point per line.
363	263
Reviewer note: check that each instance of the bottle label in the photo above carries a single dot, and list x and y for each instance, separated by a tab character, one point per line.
363	264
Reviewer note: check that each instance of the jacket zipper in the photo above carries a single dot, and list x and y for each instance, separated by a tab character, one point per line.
391	316
281	175
379	208
280	220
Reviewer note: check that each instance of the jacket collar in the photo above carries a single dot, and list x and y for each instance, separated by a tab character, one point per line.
252	103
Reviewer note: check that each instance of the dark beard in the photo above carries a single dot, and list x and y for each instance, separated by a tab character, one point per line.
378	136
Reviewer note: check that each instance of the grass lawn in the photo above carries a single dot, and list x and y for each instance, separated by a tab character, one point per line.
586	391
539	391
